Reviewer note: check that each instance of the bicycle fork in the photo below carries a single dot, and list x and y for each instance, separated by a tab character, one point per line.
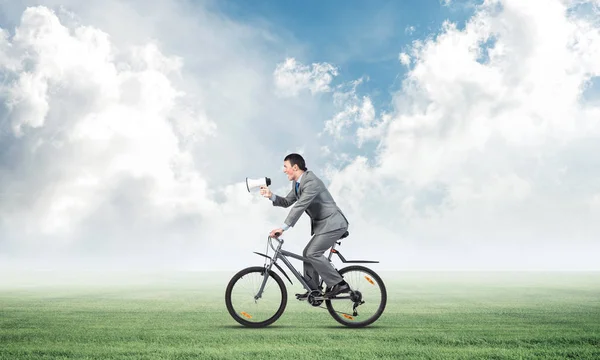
264	281
266	273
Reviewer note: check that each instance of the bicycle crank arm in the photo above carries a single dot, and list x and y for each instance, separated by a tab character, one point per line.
321	298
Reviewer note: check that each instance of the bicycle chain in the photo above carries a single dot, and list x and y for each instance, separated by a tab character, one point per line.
339	312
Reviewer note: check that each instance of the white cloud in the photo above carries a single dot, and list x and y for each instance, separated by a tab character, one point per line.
121	129
110	142
404	59
120	146
292	77
476	144
356	117
355	110
373	131
527	96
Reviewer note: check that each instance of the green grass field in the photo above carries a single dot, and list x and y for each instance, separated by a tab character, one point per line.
183	316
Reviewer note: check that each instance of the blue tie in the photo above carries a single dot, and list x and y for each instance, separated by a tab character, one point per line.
297	187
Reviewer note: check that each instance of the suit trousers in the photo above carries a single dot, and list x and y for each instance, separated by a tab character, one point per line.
317	263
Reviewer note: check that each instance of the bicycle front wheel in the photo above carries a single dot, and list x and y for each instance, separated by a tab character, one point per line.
242	304
365	303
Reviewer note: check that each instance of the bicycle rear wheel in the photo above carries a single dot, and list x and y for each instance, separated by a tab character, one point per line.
368	288
251	312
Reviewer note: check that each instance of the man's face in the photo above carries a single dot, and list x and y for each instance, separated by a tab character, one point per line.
290	170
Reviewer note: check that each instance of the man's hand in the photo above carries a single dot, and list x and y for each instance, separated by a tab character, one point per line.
276	233
264	191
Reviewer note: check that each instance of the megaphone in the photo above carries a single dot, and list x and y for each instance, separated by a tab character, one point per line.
256	183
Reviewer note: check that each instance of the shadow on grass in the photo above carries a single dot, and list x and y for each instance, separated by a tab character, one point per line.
256	328
304	326
355	328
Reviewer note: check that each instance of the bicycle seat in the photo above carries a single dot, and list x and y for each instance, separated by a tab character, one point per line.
339	242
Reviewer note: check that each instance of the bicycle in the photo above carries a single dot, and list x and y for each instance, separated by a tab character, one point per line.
257	296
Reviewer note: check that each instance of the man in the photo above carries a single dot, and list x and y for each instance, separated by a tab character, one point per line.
328	223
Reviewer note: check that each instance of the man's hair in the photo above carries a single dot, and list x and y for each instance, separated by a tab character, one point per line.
296	159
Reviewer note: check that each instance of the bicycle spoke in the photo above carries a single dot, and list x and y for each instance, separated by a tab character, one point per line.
241	293
372	298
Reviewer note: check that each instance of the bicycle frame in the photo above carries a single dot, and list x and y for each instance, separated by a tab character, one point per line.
283	255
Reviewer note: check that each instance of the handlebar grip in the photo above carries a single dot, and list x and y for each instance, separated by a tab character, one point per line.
277	233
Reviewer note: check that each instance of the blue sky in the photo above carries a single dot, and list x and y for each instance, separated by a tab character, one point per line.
126	139
362	38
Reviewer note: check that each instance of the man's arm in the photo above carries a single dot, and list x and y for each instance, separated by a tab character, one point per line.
279	201
285	202
310	190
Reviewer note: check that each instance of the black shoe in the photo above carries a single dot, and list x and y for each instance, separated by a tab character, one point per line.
337	289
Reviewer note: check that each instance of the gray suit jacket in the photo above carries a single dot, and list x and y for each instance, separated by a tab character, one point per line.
314	199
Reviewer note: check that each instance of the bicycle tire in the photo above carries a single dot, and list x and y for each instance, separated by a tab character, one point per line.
357	324
231	285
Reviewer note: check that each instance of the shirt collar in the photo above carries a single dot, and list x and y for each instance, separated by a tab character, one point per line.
300	178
